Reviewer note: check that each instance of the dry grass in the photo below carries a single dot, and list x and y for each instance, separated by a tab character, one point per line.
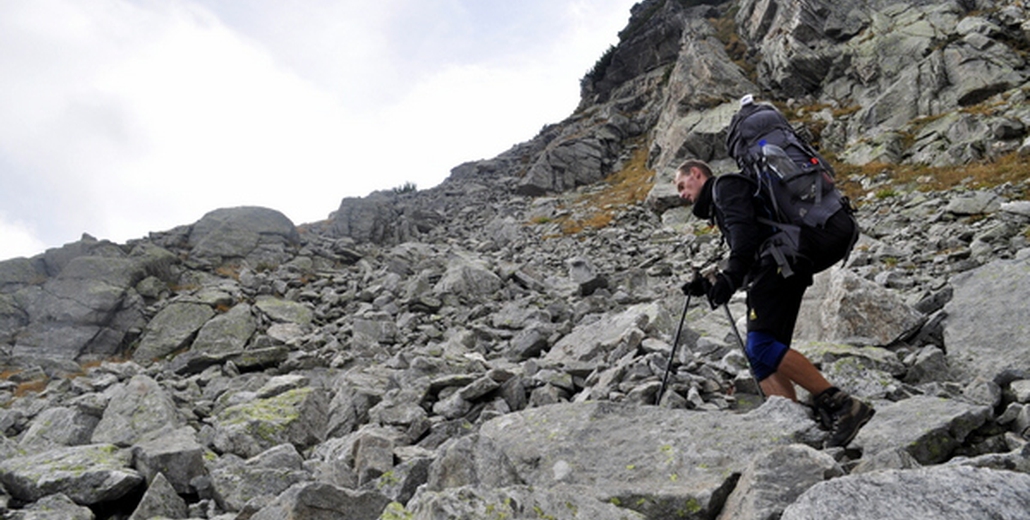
229	271
1010	168
35	386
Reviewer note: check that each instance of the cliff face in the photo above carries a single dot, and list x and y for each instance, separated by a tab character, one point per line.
493	347
935	84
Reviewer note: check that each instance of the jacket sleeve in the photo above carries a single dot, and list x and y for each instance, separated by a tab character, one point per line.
735	207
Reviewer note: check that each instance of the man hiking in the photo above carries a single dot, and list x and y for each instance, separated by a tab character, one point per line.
773	299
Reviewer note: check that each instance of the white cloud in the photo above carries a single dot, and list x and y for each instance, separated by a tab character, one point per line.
18	239
118	118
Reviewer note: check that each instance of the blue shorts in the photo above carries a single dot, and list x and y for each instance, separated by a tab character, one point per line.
764	353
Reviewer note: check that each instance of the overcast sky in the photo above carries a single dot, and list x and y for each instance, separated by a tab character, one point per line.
121	117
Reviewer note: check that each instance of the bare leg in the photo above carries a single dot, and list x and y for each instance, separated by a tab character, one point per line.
778	384
797	368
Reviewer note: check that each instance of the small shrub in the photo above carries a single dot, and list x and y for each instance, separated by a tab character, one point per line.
407	187
600	67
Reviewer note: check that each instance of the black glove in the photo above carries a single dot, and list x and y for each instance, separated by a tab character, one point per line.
722	290
698	286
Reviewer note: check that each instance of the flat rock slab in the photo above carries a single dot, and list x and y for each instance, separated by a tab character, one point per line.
87	474
937	492
561	502
659	462
986	327
929	428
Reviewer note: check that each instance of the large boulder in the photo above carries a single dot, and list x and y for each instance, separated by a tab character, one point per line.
171	330
775	480
668	462
87	474
254	234
594	341
842	306
929	428
58	426
381	218
318	500
176	457
86	309
298	417
236	482
985	329
139	410
937	492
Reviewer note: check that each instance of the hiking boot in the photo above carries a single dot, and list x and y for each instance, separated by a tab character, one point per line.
844	415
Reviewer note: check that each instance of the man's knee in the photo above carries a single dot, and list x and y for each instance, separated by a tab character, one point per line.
765	353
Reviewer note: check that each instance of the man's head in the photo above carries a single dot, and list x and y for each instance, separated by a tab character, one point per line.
690	178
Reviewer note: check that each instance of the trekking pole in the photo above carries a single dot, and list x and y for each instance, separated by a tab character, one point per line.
740	341
672	355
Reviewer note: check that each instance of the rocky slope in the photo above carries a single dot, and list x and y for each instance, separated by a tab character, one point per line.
492	347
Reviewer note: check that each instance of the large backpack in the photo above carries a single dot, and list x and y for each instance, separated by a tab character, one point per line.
794	182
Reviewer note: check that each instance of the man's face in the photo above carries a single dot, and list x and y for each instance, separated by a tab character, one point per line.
688	184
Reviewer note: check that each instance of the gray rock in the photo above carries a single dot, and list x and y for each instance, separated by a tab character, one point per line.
560	502
286	311
842	306
86	474
20	272
258	235
58	426
907	494
467	277
160	501
297	417
53	507
176	456
316	500
569	163
666	458
1020	390
9	448
473	461
974	203
373	456
985	319
897	458
593	342
172	330
402	482
775	480
228	332
350	406
267	475
87	309
366	220
139	410
929	428
927	364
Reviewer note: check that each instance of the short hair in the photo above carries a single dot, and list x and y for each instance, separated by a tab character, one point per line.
694	163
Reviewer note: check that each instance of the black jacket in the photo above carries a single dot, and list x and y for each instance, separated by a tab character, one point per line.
729	201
